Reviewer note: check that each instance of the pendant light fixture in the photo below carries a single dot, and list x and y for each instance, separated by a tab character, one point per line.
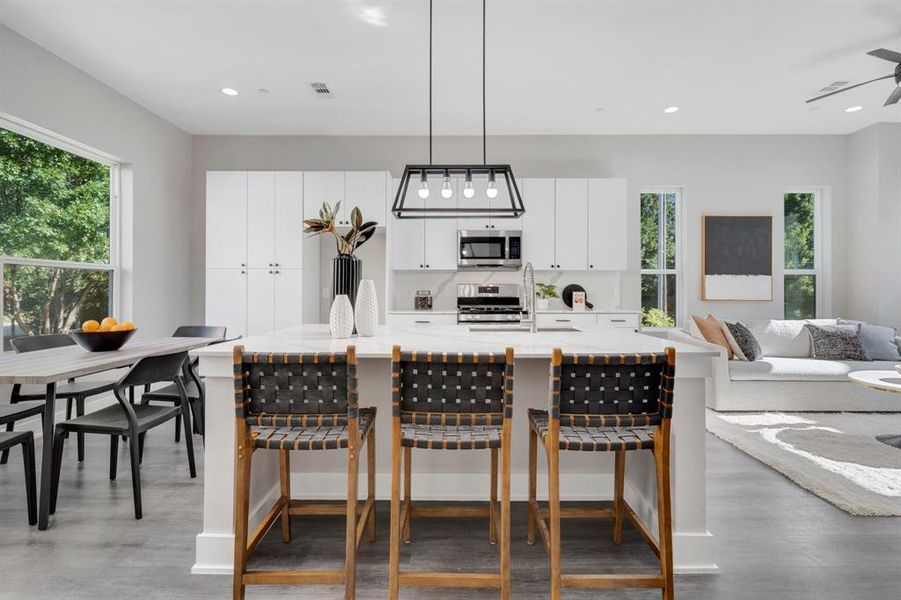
496	176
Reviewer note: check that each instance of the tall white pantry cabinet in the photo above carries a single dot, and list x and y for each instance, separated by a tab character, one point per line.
256	254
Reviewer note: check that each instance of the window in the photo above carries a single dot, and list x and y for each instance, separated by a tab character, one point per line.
659	256
802	277
56	234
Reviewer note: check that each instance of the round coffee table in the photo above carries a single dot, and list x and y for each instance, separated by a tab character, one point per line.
887	381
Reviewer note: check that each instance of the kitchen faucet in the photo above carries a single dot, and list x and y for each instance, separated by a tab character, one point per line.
529	287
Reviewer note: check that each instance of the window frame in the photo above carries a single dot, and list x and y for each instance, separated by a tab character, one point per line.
822	246
112	266
663	190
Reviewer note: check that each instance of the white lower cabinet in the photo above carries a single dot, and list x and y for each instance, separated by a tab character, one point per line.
254	301
586	319
425	319
226	300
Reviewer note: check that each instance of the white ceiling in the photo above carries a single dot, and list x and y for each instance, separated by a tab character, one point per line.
731	66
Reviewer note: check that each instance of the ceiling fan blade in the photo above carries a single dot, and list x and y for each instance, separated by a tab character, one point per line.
850	87
889	55
893	99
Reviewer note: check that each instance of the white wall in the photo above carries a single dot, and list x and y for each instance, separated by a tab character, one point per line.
719	174
40	88
874	232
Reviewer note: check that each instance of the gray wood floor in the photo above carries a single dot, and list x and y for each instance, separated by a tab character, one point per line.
773	539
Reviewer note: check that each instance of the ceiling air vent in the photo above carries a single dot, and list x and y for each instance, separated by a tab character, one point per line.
835	85
321	90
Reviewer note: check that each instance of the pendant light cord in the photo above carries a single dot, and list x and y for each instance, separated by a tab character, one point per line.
430	81
484	152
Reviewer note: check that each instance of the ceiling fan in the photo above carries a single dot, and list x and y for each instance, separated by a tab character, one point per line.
889	55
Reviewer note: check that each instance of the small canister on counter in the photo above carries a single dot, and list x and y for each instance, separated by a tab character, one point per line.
422	300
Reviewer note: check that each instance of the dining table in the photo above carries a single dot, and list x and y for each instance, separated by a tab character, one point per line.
54	365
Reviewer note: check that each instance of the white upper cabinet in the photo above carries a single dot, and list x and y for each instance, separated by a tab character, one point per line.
260	217
571	226
322	186
367	190
538	237
226	219
407	238
288	221
607	224
481	200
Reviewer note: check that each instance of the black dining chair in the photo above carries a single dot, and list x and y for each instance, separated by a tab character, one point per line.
73	391
192	381
9	414
11	439
131	421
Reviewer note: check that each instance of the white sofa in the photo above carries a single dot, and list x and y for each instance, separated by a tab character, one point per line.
790	383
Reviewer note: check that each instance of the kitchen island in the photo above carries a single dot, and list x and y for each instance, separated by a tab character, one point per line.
460	475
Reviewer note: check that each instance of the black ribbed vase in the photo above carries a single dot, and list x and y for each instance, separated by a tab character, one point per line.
346	273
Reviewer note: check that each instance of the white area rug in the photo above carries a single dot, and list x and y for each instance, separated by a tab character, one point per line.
834	455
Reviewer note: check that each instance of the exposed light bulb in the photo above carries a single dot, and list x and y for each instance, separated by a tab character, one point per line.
468	190
491	192
446	191
423	190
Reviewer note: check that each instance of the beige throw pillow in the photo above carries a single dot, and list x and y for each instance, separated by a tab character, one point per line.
712	330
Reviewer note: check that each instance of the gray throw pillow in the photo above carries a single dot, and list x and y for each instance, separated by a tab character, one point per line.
877	340
836	342
745	340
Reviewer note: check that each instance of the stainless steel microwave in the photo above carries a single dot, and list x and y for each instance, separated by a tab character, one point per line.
480	249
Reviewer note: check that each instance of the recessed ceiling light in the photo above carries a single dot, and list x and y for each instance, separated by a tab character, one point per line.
374	15
229	91
853	108
671	109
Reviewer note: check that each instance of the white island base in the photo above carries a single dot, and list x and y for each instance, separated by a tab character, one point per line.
459	475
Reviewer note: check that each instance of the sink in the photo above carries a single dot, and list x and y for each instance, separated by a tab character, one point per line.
519	328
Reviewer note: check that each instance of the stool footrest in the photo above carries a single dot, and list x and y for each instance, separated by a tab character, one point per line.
450	511
606	582
320	576
298	507
450	580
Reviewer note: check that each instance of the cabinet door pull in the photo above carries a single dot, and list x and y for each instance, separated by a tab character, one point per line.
421	266
617	320
590	266
562	321
422	322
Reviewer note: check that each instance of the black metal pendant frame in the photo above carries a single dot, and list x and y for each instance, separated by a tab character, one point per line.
415	172
421	172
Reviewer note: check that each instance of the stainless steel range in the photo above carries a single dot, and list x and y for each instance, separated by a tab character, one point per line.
489	303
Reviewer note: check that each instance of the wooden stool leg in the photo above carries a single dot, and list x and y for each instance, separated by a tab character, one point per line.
408	523
370	472
492	525
284	468
505	512
350	545
394	544
553	477
533	482
243	456
618	481
664	516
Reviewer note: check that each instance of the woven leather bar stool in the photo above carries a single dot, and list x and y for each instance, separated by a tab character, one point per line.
288	402
450	401
605	403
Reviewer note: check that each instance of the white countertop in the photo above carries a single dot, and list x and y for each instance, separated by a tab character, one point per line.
316	338
547	311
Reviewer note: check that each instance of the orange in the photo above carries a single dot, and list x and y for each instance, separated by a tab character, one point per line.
109	321
90	325
127	325
121	327
105	327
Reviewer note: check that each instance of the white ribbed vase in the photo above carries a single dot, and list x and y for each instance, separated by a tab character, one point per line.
366	313
341	317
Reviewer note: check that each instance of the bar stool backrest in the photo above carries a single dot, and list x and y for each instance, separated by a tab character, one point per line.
449	388
207	331
612	390
30	343
294	389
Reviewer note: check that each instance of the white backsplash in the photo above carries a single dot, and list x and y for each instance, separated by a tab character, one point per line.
602	287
